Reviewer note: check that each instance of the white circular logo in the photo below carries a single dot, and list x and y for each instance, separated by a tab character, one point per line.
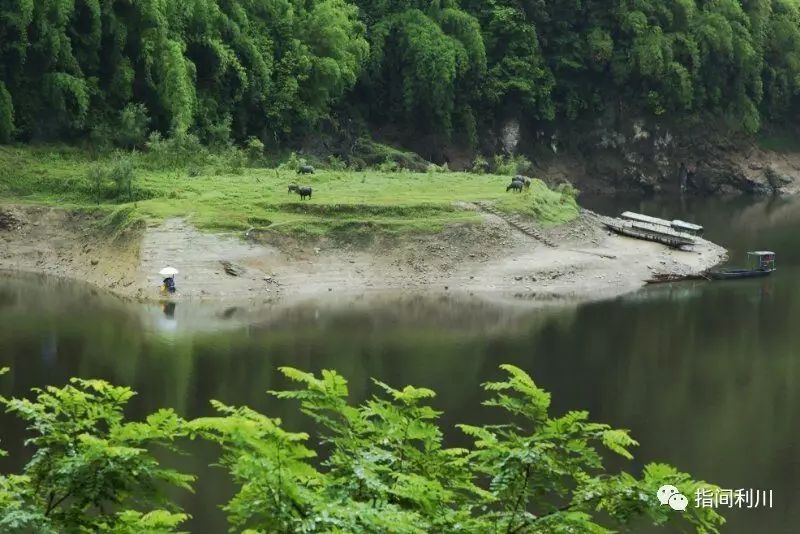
670	495
678	502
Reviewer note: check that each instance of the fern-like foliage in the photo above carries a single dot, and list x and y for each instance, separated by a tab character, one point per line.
87	461
381	466
385	467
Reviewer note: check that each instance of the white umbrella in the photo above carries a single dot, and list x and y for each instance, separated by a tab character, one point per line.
168	271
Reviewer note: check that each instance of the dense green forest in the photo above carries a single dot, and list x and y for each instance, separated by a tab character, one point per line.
382	467
114	70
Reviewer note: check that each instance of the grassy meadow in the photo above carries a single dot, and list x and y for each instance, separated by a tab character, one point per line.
226	193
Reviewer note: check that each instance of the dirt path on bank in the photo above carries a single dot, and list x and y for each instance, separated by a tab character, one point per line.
501	258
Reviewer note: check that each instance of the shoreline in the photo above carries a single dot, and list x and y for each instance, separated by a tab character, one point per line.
494	260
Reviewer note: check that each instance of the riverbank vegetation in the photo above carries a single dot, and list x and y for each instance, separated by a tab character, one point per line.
381	466
234	190
110	72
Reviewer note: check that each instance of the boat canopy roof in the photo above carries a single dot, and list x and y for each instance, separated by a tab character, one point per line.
676	224
666	231
687	226
645	218
761	253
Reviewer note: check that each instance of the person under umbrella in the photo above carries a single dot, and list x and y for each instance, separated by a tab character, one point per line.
169	280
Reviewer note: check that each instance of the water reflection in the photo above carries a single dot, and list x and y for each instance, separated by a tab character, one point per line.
169	309
706	375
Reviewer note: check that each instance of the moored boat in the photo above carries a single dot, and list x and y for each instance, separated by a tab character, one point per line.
733	274
683	227
760	263
664	236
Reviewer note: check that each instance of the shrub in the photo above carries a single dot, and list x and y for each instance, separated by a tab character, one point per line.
511	165
133	123
335	163
254	149
122	174
193	170
233	160
175	152
126	129
433	168
217	135
389	166
567	190
97	179
6	115
294	162
480	165
376	154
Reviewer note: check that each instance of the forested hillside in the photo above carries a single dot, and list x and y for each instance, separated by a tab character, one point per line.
232	69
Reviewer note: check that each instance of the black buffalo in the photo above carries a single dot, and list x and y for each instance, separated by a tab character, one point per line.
306	169
524	179
304	192
516	186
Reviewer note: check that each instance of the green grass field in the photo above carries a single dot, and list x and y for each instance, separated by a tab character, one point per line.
242	198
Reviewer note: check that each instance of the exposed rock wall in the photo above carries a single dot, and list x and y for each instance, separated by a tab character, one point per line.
641	156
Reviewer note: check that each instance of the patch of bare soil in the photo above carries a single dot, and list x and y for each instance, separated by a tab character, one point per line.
66	244
500	258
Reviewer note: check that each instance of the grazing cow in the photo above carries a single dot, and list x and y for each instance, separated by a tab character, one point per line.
293	188
304	192
516	186
524	179
305	169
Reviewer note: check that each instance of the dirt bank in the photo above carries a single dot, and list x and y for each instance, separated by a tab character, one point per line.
501	258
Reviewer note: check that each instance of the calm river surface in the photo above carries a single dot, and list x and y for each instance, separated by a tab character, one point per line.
706	375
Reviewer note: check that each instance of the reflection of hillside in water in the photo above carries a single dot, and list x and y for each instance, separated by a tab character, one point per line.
222	351
667	292
71	301
458	314
708	383
769	213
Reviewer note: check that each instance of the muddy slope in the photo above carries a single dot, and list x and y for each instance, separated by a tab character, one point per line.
67	244
503	257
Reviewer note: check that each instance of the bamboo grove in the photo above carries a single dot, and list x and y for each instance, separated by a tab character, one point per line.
273	69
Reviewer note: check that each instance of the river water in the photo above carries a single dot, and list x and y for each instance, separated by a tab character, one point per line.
706	375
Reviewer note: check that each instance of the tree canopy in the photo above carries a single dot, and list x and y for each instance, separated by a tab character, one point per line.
231	69
219	67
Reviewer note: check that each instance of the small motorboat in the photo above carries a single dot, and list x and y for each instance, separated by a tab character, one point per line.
760	263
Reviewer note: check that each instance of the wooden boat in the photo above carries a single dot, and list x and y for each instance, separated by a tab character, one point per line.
661	235
735	274
760	263
666	278
677	225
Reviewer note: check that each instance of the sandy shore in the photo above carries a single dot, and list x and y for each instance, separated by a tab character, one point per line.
497	259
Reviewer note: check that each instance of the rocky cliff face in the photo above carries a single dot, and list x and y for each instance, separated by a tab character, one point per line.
608	154
641	156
